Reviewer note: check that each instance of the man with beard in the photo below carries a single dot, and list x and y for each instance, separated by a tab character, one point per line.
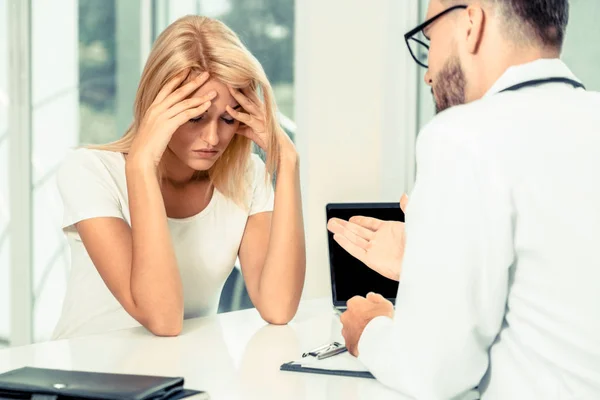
499	273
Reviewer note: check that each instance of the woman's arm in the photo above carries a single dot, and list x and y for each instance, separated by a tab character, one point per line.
138	264
272	252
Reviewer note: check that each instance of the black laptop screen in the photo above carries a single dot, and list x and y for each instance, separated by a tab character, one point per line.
350	277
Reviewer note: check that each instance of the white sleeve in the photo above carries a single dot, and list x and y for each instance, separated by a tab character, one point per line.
87	189
454	282
263	196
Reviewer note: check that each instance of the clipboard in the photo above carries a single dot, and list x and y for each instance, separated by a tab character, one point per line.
294	367
329	360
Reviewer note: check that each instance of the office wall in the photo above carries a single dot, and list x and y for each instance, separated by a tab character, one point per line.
354	112
581	51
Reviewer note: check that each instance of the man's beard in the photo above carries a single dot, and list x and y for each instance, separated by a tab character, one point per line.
450	87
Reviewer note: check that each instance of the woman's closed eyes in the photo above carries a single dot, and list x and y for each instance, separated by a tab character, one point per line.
227	119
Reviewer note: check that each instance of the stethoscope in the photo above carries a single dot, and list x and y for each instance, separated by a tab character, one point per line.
537	82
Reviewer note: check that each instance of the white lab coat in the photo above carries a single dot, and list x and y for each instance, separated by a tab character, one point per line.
500	286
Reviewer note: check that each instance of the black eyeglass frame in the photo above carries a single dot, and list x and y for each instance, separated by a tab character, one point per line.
409	35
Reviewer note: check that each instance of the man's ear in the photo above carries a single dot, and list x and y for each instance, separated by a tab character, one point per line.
476	24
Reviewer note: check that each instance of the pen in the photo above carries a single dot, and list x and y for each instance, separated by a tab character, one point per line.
331	353
316	351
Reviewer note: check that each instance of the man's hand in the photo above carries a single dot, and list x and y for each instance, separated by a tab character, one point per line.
378	244
359	313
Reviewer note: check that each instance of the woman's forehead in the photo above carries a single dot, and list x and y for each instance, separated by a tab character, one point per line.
223	98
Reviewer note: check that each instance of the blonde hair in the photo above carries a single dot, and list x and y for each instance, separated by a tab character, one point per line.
199	44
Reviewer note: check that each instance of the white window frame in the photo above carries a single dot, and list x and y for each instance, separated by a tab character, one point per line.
20	180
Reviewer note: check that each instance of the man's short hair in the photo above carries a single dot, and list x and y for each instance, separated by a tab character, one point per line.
545	19
542	22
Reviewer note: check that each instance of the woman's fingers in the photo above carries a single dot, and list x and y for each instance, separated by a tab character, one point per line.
240	116
171	86
185	115
250	94
254	123
184	91
247	104
190	103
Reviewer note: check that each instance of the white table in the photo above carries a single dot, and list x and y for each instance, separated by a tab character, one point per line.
231	356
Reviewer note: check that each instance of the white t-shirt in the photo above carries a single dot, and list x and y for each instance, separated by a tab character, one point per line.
92	183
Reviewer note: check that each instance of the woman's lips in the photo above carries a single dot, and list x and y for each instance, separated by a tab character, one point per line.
204	153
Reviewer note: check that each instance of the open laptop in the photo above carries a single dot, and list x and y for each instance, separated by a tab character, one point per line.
349	276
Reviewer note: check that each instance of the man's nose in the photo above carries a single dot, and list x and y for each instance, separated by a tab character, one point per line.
427	78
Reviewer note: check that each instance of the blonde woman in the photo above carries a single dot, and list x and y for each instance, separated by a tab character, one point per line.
156	220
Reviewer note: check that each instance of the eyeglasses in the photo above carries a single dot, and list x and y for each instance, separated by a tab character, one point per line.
416	40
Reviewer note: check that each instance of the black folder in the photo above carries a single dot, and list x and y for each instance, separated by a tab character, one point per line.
52	384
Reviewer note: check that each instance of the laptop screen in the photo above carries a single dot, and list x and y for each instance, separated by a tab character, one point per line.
350	277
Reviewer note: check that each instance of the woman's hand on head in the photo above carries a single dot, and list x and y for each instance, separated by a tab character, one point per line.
172	108
253	121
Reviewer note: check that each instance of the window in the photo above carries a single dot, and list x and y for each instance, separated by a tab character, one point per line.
97	61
